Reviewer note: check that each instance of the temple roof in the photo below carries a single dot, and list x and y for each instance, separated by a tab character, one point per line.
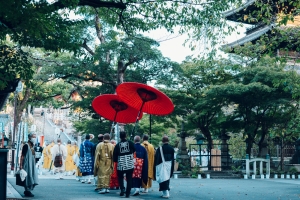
237	14
249	38
245	13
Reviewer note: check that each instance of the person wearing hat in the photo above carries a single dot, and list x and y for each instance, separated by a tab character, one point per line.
27	163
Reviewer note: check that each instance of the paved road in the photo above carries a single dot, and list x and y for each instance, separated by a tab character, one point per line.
181	189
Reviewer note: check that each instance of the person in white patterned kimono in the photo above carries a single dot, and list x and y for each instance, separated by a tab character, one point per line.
59	148
123	155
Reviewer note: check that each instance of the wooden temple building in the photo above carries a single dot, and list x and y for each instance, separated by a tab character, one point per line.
248	15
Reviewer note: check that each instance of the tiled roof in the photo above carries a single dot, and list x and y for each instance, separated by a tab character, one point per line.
248	38
230	12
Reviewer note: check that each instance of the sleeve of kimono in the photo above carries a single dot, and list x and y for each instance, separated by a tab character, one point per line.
112	154
145	167
24	150
96	162
115	154
156	162
81	150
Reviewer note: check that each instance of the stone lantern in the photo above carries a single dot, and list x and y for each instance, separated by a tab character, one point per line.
182	156
226	159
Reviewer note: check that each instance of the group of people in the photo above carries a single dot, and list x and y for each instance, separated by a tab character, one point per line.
106	162
67	151
133	161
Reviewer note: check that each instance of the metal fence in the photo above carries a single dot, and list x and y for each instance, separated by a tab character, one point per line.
216	159
275	151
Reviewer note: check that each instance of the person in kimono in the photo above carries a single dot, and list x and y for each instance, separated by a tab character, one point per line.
59	149
103	167
86	163
140	172
69	159
168	153
150	152
114	183
78	174
27	163
123	155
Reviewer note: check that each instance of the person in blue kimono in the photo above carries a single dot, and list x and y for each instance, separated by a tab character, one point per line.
140	172
86	163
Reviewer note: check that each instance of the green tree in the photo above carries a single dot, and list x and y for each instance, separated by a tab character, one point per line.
194	104
261	98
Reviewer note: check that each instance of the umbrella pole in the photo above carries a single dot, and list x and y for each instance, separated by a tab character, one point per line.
111	129
136	121
112	126
150	119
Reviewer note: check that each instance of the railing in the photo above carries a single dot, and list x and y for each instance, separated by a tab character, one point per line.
213	159
275	151
261	162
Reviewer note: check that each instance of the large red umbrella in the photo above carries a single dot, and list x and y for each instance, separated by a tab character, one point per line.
145	98
111	107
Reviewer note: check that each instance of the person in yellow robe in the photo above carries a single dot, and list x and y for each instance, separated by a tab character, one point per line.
103	166
46	161
49	153
69	160
74	150
151	152
78	174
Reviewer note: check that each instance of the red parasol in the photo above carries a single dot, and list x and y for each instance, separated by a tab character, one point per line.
111	107
145	98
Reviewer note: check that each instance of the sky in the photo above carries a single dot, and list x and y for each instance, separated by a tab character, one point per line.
171	45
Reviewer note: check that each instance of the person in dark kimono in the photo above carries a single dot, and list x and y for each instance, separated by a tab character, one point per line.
168	153
123	155
38	152
27	163
140	172
86	163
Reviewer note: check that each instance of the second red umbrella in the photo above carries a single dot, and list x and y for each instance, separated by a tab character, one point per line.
111	107
145	98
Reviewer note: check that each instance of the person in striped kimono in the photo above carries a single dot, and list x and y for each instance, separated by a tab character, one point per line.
123	155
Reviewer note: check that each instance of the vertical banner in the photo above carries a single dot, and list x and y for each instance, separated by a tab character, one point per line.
25	132
42	140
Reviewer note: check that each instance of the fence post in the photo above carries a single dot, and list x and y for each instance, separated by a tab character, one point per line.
247	165
254	167
261	167
268	171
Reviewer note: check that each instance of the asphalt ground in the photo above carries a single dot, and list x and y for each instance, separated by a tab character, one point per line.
181	189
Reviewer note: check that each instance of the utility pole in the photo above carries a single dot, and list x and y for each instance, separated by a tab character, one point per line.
14	132
43	114
19	88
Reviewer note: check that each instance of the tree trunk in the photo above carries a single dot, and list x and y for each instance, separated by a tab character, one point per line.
249	146
261	144
208	137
